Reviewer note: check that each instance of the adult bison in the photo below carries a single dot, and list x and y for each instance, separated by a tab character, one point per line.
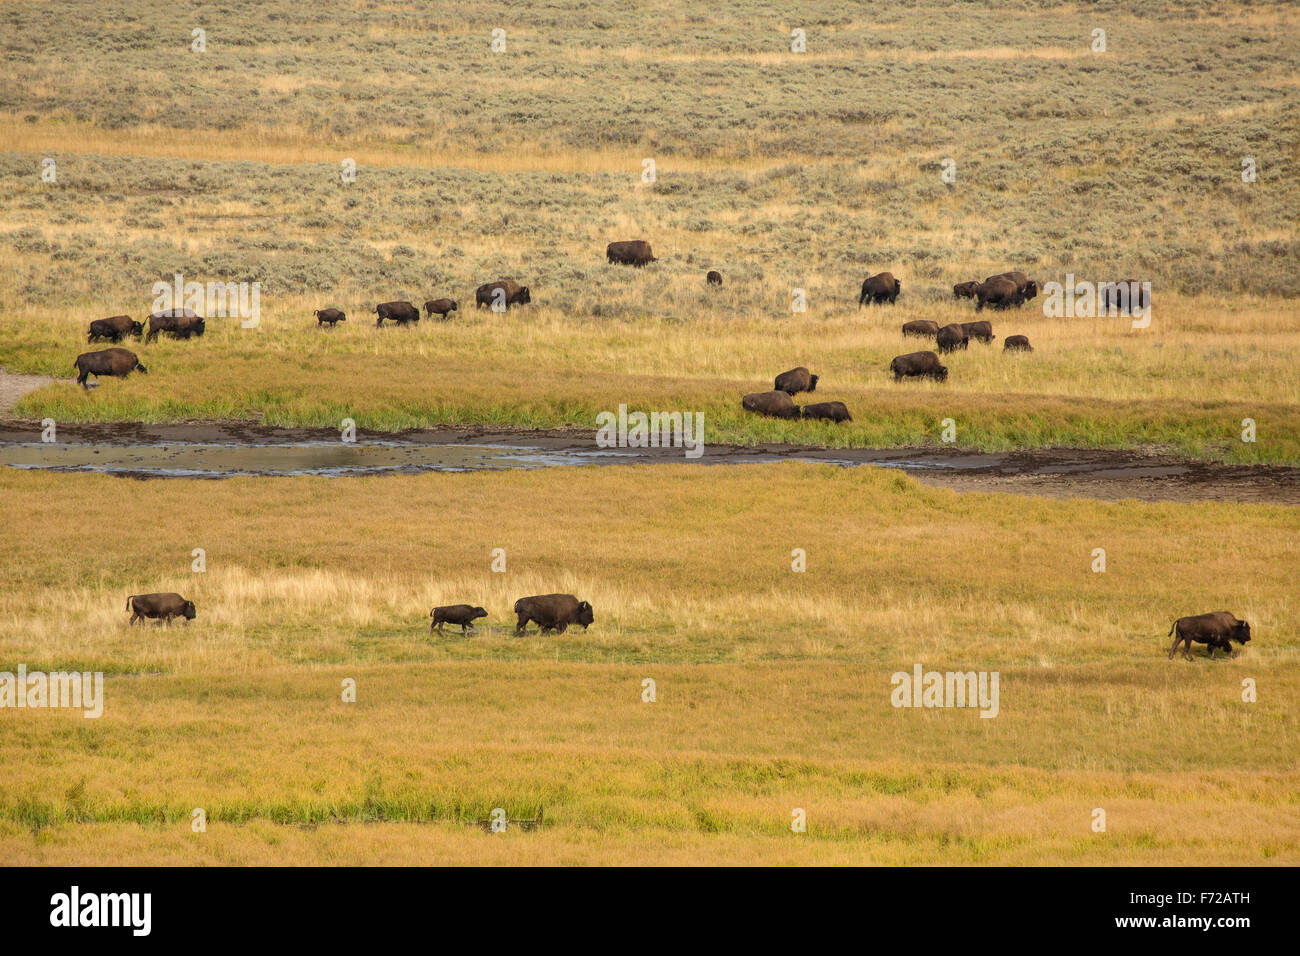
1026	286
399	311
462	614
178	323
552	612
881	287
714	277
964	290
774	404
154	606
796	380
331	316
1218	629
1124	296
951	338
1016	343
982	331
998	292
503	293
441	307
918	365
827	411
633	252
116	362
921	327
114	328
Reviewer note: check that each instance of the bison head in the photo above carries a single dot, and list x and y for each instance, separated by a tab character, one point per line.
812	383
524	297
137	329
140	368
1031	289
898	287
478	612
1240	632
585	617
188	610
454	306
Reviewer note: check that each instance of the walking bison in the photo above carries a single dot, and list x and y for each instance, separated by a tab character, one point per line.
796	380
115	362
1217	629
153	606
501	295
399	311
114	328
178	323
981	331
441	307
998	292
634	252
462	614
918	365
331	316
552	612
879	288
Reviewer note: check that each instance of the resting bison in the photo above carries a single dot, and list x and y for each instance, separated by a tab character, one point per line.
982	331
713	278
180	323
830	411
440	306
399	311
1218	630
999	292
507	292
881	287
165	606
964	290
330	315
922	327
1124	296
114	328
552	612
951	338
118	362
918	365
634	252
1016	343
773	404
462	614
796	380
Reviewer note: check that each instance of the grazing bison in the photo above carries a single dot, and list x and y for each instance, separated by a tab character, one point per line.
796	380
552	612
634	252
462	614
330	315
951	338
1026	286
918	365
441	307
983	331
714	277
1218	630
773	404
999	292
399	311
881	287
507	292
153	606
922	327
117	362
829	411
1124	296
964	290
1016	343
114	328
178	323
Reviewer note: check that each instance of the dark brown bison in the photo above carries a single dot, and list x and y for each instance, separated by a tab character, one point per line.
114	328
178	323
918	365
951	338
1122	297
462	614
773	404
881	287
796	380
828	411
441	307
982	331
116	362
1016	343
633	252
964	290
921	327
399	311
330	315
713	278
552	612
153	606
1218	629
1026	286
501	295
999	292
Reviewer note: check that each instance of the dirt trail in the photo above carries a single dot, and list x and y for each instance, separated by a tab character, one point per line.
14	385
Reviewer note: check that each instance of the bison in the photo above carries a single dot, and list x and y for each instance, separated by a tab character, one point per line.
331	316
441	307
153	606
1218	629
116	362
552	612
634	252
964	290
829	411
774	404
1026	286
981	331
796	380
503	293
1016	343
399	311
921	327
951	338
114	328
179	323
881	287
1124	296
462	614
714	277
999	292
918	365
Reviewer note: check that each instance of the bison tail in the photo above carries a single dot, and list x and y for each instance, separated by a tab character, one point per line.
1172	629
129	599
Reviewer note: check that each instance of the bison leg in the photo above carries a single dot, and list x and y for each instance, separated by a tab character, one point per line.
523	621
81	380
561	627
1178	639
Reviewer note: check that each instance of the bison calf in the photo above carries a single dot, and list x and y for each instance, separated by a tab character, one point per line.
331	316
153	606
964	290
441	307
552	612
1016	343
462	614
116	362
1218	629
